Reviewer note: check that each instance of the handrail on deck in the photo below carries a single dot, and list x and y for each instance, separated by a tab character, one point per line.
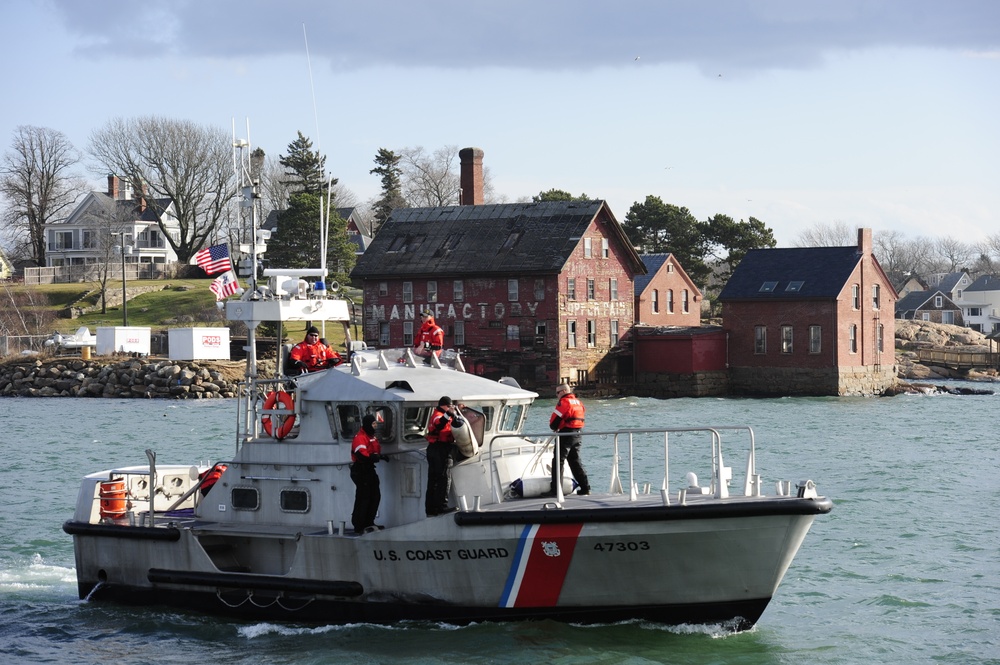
720	477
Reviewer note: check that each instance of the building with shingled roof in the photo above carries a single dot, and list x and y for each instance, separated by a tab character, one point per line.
541	292
810	321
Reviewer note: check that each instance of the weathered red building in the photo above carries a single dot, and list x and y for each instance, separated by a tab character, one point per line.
810	321
541	292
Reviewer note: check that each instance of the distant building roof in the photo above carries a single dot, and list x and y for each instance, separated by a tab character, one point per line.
795	273
985	283
526	238
950	281
653	263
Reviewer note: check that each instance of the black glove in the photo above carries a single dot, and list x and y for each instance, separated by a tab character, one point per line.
299	363
374	457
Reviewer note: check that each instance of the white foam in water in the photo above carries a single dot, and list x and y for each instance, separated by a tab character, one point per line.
36	575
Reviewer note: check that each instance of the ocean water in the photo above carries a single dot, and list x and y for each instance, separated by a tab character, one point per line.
906	569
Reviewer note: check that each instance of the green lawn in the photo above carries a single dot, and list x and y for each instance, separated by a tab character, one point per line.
157	310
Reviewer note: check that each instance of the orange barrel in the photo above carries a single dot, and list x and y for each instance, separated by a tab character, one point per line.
112	498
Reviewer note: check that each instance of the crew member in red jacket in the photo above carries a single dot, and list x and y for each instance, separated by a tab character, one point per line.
430	338
366	451
440	455
567	419
311	354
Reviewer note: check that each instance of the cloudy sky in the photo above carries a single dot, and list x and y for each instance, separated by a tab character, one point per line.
876	113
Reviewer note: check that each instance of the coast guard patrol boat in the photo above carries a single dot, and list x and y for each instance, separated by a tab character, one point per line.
270	539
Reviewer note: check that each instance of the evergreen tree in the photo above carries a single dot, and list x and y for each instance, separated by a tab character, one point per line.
392	191
299	235
657	227
558	195
305	167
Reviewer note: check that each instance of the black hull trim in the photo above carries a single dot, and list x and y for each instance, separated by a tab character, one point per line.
648	513
250	582
304	608
75	528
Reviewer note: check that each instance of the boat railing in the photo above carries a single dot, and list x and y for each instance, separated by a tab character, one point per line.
626	443
253	396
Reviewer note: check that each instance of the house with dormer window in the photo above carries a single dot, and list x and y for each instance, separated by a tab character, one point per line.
980	304
102	220
810	321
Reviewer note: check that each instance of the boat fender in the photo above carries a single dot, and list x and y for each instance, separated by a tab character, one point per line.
285	423
531	487
465	439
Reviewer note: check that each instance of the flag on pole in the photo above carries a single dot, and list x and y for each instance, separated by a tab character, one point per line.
225	285
214	259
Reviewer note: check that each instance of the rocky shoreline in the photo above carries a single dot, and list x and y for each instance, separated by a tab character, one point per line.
122	377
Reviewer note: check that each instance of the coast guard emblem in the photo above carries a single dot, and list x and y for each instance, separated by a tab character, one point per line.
551	548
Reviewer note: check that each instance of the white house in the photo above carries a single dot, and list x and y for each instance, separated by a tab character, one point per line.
980	303
82	238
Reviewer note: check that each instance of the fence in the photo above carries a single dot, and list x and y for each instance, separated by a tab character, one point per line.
16	344
91	273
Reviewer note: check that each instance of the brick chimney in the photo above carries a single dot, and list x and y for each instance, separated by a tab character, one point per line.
113	186
472	176
865	241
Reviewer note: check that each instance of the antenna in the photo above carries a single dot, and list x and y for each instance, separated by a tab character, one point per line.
324	210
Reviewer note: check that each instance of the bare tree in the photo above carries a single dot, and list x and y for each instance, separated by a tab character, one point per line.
109	220
24	311
834	234
36	179
430	180
179	161
953	254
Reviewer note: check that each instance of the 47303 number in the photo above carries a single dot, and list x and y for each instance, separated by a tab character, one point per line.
622	546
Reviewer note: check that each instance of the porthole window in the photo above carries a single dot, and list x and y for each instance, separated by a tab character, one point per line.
295	500
245	498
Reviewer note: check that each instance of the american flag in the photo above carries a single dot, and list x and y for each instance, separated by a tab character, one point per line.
214	259
225	285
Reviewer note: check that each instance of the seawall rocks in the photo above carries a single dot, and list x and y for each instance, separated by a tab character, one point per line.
132	377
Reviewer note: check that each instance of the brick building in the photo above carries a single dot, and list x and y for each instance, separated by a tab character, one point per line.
665	295
541	292
810	321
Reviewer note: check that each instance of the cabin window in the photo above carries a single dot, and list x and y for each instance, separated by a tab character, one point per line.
540	288
407	291
294	501
510	418
571	334
591	333
853	336
815	339
655	301
670	301
459	333
432	291
512	290
875	296
613	288
414	421
407	333
571	289
345	420
614	332
760	339
591	292
244	498
458	291
588	248
383	289
856	297
685	304
385	424
605	248
786	339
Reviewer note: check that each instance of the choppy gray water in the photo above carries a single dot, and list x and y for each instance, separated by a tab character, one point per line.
905	570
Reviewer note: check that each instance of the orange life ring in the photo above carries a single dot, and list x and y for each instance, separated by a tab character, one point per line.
286	423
